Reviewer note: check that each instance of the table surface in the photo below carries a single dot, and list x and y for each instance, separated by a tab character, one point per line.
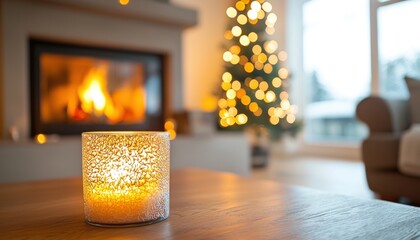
209	205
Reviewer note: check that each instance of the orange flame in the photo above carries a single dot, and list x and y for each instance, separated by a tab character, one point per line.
92	93
94	100
93	97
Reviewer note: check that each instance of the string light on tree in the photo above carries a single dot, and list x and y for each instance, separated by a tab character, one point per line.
254	76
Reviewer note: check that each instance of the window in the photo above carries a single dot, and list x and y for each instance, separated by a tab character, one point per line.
336	64
398	46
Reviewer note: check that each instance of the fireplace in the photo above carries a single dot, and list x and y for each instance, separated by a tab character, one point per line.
76	88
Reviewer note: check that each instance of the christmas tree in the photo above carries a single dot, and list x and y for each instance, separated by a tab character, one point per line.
253	82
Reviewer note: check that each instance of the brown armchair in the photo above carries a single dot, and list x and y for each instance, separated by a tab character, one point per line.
387	120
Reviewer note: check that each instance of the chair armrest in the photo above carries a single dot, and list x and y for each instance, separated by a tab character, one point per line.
380	152
384	115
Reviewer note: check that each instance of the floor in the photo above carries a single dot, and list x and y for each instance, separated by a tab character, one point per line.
345	177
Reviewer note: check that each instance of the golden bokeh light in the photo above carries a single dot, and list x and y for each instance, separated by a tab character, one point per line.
240	93
268	68
267	7
256	49
233	111
284	95
227	56
236	31
236	85
227	77
172	134
270	96
270	46
124	2
276	82
274	120
253	37
240	5
290	118
282	56
262	58
223	122
248	67
256	6
272	59
226	85
252	14
235	59
244	40
259	94
231	12
169	124
222	103
261	15
223	113
253	84
283	73
235	49
230	94
271	19
259	65
228	35
231	102
278	112
40	138
241	119
258	112
263	85
270	30
230	120
271	111
253	21
285	104
245	1
245	100
242	19
253	107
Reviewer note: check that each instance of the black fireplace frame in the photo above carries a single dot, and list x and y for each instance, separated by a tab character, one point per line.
153	122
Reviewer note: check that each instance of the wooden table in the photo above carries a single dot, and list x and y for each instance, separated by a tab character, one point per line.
209	205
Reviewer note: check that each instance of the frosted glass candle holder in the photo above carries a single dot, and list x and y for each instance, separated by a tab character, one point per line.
125	177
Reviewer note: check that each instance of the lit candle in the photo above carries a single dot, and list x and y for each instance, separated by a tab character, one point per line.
125	177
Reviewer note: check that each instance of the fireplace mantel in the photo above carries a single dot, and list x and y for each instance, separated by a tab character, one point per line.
152	11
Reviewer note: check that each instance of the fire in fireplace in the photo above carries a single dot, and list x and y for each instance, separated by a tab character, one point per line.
76	88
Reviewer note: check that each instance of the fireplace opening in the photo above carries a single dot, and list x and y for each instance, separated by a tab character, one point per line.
76	88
